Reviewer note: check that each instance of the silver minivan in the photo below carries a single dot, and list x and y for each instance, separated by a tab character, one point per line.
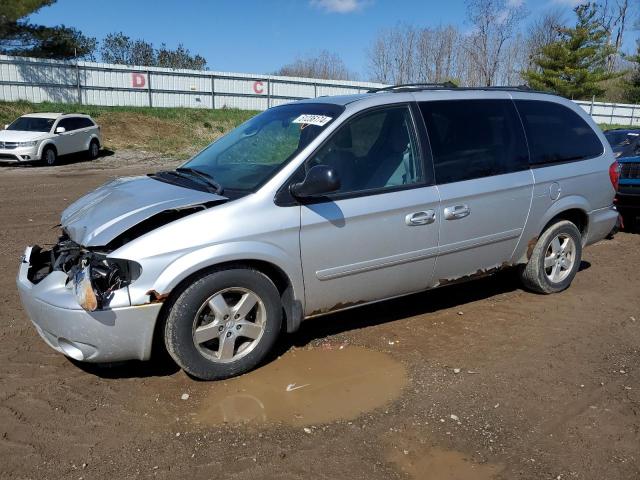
317	206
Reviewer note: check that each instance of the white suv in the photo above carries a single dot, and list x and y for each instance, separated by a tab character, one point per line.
45	136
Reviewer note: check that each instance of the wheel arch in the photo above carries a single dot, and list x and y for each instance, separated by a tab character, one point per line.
47	144
292	307
573	208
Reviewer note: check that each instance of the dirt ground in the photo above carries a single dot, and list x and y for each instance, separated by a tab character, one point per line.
475	381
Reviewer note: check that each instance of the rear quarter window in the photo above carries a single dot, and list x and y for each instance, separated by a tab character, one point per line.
556	133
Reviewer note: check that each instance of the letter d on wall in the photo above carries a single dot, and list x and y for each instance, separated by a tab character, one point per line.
138	80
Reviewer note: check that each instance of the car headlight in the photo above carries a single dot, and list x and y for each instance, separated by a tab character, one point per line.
28	144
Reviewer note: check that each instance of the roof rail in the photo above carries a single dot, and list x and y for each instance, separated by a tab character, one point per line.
408	87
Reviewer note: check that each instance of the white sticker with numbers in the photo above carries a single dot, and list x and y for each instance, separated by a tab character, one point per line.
319	120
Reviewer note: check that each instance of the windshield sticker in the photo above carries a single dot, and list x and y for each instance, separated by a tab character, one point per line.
319	120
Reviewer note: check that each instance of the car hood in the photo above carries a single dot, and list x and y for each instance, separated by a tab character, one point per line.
19	136
115	207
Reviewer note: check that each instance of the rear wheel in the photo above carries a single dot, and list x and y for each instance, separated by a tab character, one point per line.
49	156
94	149
224	323
555	259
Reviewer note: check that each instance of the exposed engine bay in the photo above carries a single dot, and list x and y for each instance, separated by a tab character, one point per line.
90	272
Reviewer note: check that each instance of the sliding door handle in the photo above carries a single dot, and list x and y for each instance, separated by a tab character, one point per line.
456	212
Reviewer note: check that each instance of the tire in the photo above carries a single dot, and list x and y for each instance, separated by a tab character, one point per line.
562	259
49	156
202	333
94	149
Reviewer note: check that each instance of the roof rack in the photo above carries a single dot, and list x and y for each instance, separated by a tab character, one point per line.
409	87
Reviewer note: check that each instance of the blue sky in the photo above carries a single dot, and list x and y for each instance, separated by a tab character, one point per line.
260	36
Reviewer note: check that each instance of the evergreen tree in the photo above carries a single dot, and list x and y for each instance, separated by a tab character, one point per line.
575	65
19	37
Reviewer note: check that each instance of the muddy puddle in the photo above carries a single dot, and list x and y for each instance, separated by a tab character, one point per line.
307	387
440	464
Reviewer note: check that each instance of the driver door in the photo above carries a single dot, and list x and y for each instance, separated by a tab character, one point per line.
377	236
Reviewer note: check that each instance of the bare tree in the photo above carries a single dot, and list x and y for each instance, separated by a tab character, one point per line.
494	22
326	65
541	32
613	16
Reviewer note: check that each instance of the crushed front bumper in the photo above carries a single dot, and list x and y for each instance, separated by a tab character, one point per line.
109	335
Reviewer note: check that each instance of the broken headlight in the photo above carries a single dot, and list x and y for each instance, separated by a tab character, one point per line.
95	279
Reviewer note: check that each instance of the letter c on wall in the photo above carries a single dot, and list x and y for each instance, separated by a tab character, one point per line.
258	87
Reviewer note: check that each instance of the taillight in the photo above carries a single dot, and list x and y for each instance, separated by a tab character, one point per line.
614	174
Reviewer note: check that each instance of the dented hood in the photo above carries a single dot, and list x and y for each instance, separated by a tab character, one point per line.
100	216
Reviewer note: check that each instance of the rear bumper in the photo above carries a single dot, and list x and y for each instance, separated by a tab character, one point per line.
109	335
601	223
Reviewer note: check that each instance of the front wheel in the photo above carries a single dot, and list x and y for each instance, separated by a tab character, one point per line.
224	323
555	259
50	156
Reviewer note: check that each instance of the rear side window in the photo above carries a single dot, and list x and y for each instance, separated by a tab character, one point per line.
556	134
83	122
474	138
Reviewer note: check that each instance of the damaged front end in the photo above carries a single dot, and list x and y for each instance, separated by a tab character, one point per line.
93	276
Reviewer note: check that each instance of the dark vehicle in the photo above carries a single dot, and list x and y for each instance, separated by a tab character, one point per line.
628	196
624	142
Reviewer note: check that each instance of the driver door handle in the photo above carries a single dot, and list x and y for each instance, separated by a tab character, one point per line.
420	218
456	212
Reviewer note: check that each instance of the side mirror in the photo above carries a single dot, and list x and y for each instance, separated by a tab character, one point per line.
60	129
320	180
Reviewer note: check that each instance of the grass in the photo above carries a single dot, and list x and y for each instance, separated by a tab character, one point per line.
171	132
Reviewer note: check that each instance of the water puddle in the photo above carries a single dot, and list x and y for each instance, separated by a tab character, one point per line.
307	387
439	464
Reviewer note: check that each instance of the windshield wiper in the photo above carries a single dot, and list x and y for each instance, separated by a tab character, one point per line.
208	179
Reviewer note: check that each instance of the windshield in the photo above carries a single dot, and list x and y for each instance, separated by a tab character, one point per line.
249	155
617	139
32	124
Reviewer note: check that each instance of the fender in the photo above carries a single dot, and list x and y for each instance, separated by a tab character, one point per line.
44	143
191	262
533	230
563	204
91	137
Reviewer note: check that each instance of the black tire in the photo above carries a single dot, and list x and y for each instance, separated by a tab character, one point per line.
535	276
185	314
94	149
49	155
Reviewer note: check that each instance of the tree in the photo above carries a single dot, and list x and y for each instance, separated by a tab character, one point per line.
119	48
494	23
632	84
326	65
179	58
541	32
19	37
575	65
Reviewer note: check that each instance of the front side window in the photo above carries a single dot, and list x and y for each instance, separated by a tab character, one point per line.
376	150
249	155
32	124
556	134
474	138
